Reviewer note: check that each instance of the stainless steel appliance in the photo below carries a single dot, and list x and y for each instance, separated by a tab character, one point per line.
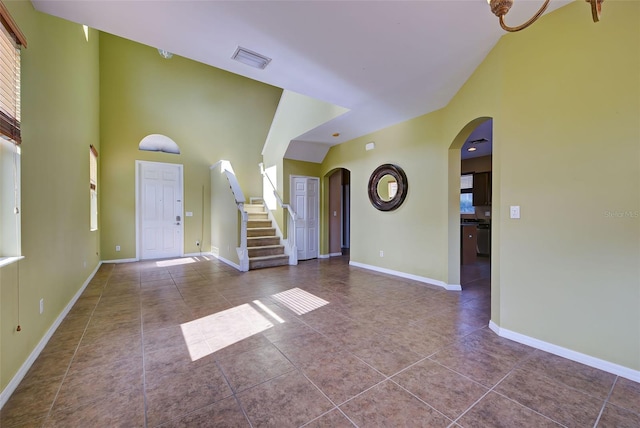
484	239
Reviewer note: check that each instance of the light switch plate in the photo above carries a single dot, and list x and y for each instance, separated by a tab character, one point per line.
514	211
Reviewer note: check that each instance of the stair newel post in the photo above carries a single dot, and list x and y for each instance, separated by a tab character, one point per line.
244	256
291	236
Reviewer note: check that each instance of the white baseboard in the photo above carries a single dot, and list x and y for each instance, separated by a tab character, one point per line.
579	357
450	287
226	261
326	256
120	261
15	381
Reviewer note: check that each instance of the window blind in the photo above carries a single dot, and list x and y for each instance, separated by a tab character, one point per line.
11	40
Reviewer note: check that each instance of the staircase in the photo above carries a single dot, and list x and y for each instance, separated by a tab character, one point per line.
263	246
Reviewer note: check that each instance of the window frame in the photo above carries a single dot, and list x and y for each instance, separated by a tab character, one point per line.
466	190
93	188
12	40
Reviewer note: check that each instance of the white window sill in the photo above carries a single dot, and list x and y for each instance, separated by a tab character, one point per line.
4	261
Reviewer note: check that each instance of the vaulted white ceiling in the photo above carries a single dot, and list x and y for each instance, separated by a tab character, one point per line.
385	61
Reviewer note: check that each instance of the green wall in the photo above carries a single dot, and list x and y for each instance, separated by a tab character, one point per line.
411	237
294	167
564	96
225	217
211	114
60	119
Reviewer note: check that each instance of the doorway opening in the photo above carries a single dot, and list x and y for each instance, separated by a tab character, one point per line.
476	167
339	214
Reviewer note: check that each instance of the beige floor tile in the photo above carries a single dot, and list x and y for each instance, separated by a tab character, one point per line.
486	369
75	322
255	366
497	411
29	404
586	379
387	405
617	417
551	398
383	353
285	401
306	347
121	408
171	358
626	394
63	341
49	366
182	391
87	385
100	351
340	376
175	335
441	388
225	413
422	341
332	419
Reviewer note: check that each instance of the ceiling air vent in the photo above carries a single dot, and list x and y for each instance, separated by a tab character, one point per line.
251	58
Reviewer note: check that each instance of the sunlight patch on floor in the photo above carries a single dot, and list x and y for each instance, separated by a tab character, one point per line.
225	328
175	262
299	301
233	325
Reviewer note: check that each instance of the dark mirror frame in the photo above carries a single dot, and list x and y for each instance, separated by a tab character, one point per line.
401	194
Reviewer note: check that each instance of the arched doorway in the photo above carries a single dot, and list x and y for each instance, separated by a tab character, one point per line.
339	212
460	243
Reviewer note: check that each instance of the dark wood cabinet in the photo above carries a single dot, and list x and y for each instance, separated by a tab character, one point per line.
481	189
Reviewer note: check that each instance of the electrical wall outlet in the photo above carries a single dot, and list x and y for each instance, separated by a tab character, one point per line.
117	247
381	253
197	243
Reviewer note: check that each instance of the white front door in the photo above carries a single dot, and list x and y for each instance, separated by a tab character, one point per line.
306	203
159	206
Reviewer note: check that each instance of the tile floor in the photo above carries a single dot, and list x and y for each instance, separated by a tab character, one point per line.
195	343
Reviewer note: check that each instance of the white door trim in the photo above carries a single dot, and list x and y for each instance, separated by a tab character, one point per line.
138	182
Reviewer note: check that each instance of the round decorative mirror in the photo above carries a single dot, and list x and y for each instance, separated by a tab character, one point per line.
387	187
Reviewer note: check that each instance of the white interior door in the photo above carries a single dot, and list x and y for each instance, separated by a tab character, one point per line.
306	203
159	203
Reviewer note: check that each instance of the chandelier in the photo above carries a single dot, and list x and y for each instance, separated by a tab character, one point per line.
501	7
